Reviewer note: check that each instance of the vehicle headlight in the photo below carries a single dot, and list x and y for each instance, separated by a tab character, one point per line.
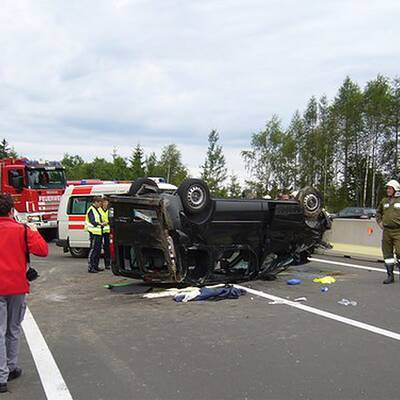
34	218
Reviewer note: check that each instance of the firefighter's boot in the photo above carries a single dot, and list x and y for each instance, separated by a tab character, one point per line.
390	275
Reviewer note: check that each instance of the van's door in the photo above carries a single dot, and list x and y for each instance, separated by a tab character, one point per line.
76	213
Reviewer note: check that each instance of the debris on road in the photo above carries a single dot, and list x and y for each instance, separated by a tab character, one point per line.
301	299
210	293
187	296
324	289
277	302
294	281
173	291
346	302
326	280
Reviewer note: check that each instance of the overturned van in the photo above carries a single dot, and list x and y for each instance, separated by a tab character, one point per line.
190	237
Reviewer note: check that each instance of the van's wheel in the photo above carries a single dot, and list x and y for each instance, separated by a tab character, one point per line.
78	252
142	186
195	195
311	201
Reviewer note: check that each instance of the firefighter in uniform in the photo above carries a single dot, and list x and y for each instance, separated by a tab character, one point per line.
388	218
94	225
106	232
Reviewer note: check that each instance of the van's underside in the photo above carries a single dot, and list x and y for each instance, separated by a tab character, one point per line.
233	240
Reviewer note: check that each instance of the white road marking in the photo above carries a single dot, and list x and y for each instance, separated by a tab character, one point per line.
350	265
322	313
52	380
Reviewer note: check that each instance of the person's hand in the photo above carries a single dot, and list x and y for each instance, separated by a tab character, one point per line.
33	227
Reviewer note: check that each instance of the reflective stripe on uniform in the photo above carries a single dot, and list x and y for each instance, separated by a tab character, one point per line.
389	260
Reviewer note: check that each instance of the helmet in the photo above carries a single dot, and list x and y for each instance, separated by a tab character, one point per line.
394	184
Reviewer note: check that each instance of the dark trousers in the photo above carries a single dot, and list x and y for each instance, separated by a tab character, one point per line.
95	251
106	249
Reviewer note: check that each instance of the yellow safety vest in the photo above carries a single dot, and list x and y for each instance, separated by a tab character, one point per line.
105	218
94	230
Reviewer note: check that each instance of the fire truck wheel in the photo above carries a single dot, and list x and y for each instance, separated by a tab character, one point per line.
78	252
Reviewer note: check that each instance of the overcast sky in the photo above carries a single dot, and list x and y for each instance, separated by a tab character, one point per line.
85	76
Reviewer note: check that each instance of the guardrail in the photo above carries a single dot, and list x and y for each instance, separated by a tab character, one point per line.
359	238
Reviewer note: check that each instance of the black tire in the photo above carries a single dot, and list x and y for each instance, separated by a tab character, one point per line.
195	195
137	186
78	252
311	201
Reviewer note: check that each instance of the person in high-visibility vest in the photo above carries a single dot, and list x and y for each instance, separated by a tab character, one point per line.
106	232
95	226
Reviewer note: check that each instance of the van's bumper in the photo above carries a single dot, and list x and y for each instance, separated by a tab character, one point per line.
41	220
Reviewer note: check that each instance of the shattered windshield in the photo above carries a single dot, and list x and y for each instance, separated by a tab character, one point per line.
46	179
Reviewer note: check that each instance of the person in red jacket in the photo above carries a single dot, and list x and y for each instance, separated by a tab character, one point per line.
13	285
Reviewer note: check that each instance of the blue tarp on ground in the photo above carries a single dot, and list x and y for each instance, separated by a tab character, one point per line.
207	293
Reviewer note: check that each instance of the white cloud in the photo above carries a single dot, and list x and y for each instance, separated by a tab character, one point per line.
86	76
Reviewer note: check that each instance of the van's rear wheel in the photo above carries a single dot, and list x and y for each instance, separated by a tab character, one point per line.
195	195
311	201
143	186
78	252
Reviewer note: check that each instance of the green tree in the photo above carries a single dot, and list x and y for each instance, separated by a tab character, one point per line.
214	171
391	144
99	168
137	163
6	151
297	133
309	164
73	166
347	112
151	165
377	107
120	170
234	189
170	165
258	158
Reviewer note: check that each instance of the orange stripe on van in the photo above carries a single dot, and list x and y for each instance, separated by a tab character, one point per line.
76	218
76	227
82	190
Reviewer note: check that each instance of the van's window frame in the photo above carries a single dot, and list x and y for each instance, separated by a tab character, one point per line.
71	201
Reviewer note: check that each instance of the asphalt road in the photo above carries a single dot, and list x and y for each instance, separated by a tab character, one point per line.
118	346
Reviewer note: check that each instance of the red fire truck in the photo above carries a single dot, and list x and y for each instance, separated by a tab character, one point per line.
36	188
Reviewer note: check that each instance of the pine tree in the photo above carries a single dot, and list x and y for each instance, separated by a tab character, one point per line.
234	189
6	151
137	164
151	165
214	171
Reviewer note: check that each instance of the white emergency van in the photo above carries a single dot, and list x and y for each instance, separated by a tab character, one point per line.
74	204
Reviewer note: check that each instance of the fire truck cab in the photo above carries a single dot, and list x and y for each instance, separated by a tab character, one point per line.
36	188
74	204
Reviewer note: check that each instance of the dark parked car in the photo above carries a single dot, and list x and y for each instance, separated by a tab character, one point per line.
356	212
190	237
